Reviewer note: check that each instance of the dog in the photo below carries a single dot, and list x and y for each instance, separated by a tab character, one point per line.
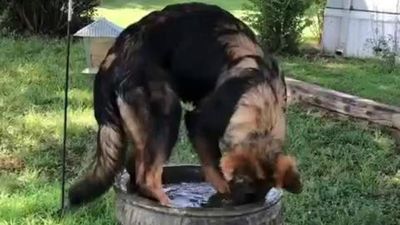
198	53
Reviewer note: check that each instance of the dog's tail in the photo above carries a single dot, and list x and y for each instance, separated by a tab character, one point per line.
109	160
110	151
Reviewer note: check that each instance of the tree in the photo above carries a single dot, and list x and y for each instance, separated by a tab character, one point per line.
45	17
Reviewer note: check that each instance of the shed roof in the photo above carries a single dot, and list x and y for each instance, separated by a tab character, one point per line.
99	28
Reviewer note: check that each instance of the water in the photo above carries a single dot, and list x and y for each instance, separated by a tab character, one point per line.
203	195
194	195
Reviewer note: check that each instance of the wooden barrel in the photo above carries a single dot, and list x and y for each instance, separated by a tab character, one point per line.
132	209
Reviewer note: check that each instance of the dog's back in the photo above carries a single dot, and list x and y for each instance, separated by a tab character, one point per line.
191	42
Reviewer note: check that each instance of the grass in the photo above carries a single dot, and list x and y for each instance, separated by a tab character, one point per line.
351	173
367	78
124	13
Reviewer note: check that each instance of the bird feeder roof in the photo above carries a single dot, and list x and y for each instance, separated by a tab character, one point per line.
100	28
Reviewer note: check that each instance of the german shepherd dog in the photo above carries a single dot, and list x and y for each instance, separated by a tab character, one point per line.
196	53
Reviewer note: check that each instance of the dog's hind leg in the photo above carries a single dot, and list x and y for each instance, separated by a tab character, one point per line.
135	114
152	118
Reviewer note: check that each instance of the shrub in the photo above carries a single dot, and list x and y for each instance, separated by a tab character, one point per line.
44	17
279	23
385	48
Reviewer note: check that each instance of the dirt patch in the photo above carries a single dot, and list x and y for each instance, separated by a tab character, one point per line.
11	163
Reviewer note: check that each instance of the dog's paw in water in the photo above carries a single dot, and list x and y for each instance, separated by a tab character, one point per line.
218	200
240	195
223	201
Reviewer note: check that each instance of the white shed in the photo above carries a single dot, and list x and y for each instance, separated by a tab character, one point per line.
352	27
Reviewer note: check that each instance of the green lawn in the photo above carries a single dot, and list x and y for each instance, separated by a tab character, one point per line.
351	173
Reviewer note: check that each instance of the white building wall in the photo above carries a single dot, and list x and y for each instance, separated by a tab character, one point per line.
390	6
348	30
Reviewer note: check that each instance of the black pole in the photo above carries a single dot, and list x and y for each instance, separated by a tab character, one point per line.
64	149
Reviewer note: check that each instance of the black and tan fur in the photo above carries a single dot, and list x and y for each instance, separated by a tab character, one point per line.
192	53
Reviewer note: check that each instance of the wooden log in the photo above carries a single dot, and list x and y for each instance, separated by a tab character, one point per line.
386	115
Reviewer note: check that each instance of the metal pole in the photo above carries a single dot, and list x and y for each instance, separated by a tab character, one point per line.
63	157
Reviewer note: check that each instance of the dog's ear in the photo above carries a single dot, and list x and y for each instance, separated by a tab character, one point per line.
287	175
240	161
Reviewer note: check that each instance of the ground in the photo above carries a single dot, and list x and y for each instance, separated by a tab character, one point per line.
351	172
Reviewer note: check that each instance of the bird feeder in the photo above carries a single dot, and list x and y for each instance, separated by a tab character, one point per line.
97	37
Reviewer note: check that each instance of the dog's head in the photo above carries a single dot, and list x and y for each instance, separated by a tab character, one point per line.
253	169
